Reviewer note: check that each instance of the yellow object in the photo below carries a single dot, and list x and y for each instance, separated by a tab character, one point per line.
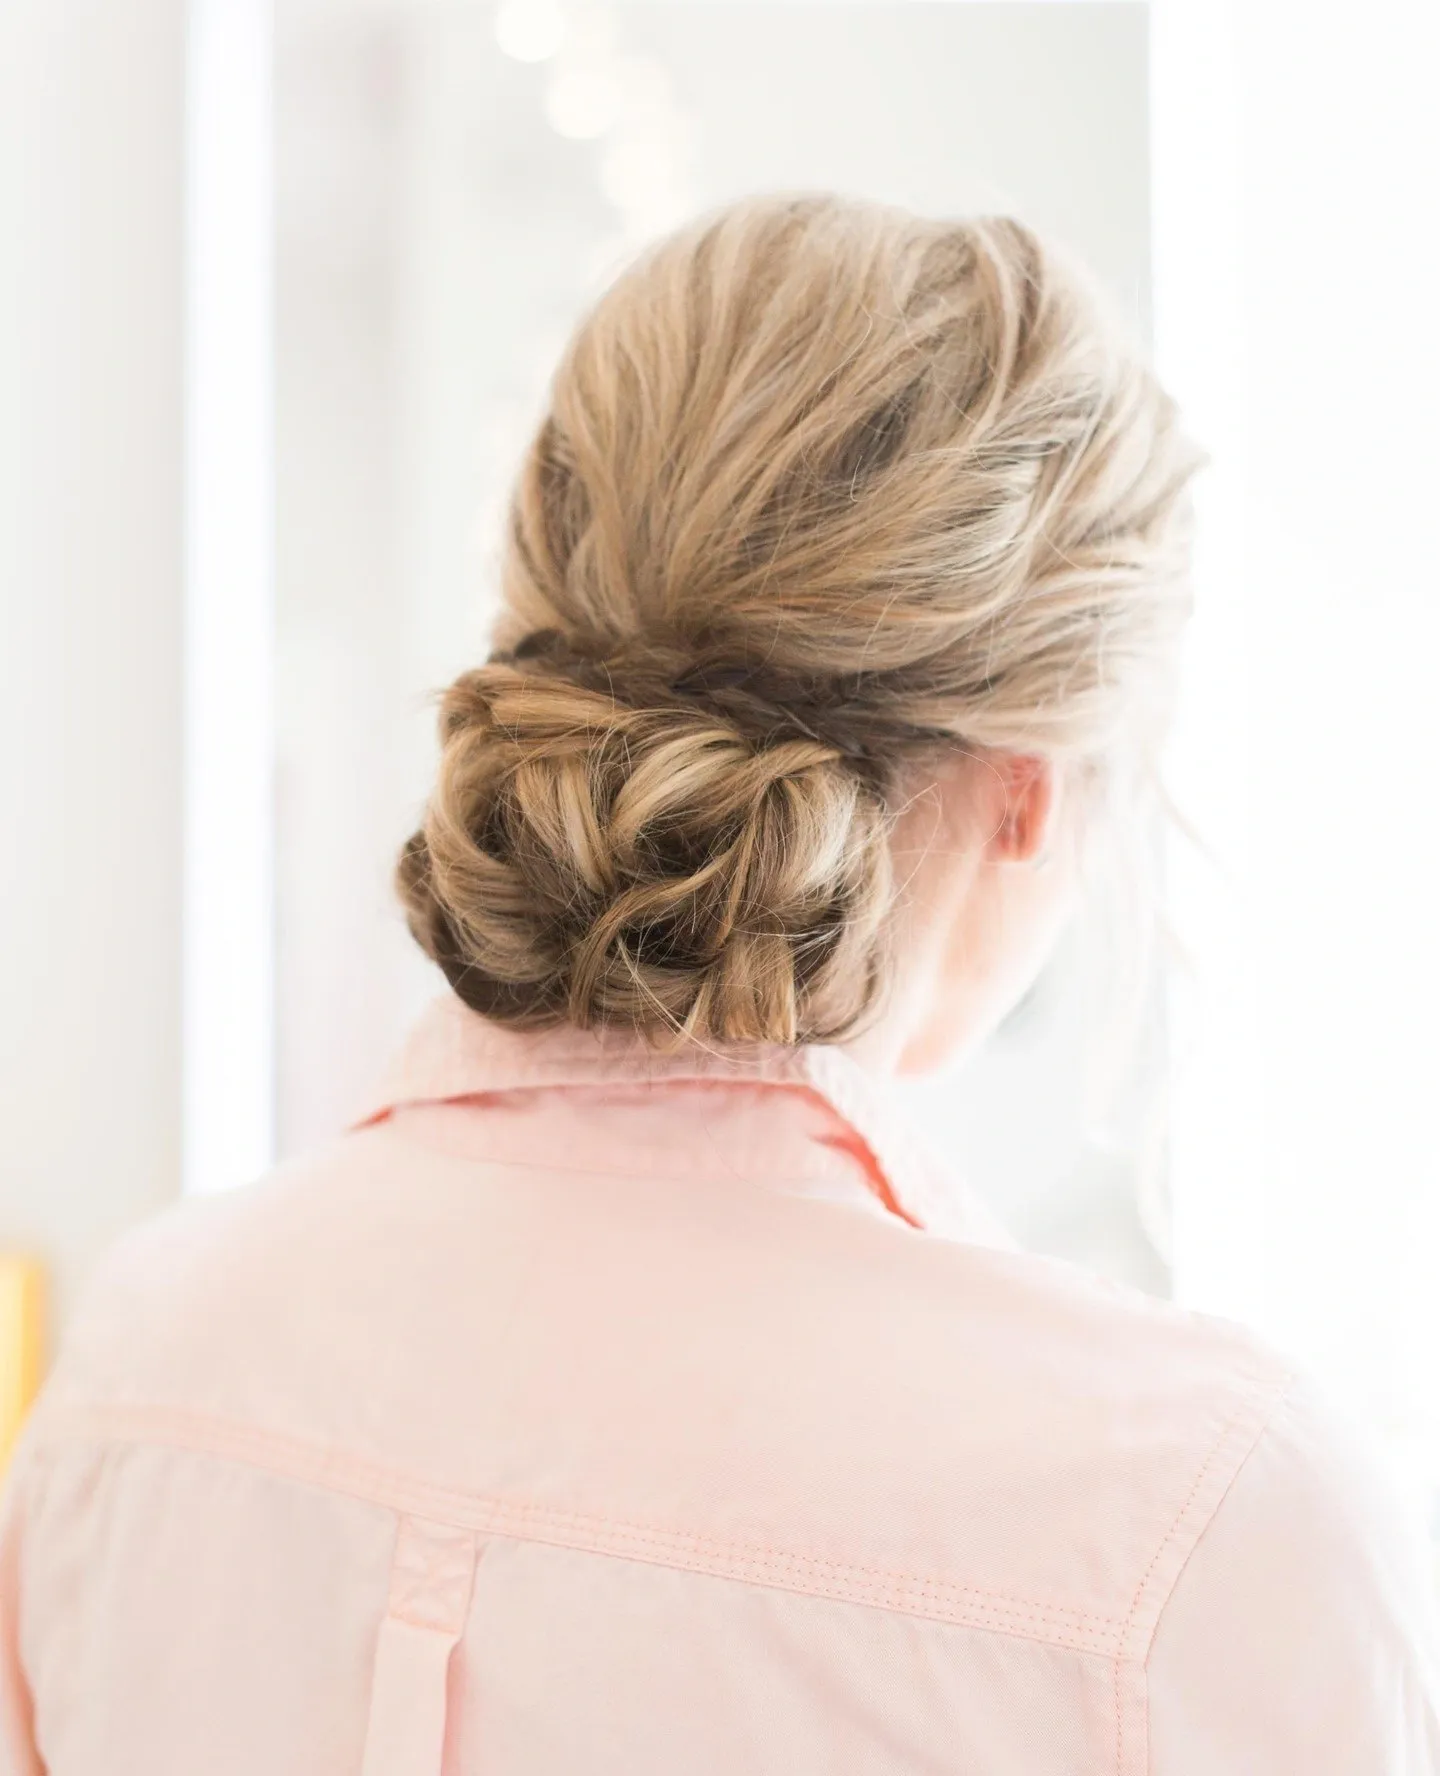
22	1342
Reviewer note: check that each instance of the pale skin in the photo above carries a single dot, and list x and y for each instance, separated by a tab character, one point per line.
988	880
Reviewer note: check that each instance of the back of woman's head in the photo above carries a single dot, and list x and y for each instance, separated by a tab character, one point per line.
821	486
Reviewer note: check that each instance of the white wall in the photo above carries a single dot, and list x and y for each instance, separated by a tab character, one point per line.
90	546
982	105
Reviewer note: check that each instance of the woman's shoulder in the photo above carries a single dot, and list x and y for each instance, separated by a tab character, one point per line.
1009	1438
1301	1633
1095	1371
191	1276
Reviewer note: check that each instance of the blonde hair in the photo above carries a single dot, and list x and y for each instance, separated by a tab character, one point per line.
821	485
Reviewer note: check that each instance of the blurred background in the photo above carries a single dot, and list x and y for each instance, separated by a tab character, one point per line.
281	282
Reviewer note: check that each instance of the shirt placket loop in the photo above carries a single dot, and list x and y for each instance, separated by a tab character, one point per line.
431	1580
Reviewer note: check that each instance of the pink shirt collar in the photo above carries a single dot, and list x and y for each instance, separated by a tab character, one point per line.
452	1053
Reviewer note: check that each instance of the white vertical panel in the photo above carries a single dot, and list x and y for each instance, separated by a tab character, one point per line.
91	124
1219	1127
1296	301
229	638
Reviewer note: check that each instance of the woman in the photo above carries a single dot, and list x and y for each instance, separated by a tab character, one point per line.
610	1399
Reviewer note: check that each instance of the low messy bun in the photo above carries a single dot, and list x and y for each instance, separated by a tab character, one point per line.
821	486
586	860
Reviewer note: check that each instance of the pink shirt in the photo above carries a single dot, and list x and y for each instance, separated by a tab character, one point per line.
587	1411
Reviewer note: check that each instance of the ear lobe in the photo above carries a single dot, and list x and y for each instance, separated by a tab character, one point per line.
1029	781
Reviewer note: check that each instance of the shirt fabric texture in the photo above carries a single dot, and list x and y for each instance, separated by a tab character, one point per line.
586	1409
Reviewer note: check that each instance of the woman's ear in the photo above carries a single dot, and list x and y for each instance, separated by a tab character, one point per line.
1029	797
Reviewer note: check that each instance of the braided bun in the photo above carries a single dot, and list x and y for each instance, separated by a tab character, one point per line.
603	864
820	483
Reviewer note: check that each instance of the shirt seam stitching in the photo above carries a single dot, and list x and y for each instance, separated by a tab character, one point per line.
527	1520
1242	1430
1234	1428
